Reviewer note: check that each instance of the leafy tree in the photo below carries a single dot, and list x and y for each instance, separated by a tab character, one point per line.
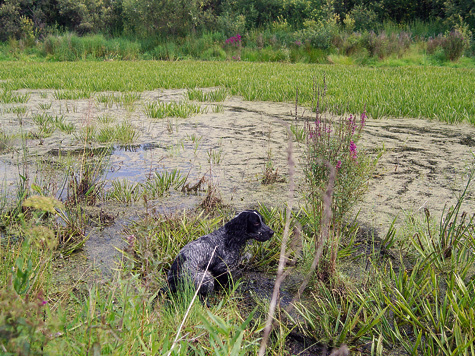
167	17
9	19
86	16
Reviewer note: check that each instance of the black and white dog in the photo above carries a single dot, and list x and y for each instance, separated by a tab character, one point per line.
217	254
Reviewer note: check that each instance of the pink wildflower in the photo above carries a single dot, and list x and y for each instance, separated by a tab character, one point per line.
352	150
363	118
338	165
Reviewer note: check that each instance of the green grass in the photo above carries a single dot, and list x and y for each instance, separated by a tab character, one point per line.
444	94
160	110
71	94
214	95
8	97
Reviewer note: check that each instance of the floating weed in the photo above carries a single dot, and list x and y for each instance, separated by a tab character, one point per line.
195	94
426	92
172	125
71	94
85	182
8	97
195	139
42	119
125	99
48	123
160	110
87	133
128	99
220	94
66	127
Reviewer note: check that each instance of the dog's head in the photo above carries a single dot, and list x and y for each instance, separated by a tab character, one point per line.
251	224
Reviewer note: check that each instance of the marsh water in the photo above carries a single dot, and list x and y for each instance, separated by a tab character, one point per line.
423	164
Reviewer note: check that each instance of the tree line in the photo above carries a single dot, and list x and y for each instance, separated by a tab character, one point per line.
35	19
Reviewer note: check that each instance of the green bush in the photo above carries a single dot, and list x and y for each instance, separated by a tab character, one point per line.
213	53
71	47
335	143
453	45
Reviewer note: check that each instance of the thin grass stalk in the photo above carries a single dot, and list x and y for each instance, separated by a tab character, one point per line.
283	256
191	304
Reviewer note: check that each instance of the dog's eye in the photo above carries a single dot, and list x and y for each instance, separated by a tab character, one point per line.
256	224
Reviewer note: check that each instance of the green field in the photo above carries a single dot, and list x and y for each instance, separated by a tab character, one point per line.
444	94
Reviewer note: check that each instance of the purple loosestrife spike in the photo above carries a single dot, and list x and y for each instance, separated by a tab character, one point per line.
352	149
363	118
338	165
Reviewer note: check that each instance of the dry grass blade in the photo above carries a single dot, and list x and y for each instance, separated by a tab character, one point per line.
283	257
177	337
325	230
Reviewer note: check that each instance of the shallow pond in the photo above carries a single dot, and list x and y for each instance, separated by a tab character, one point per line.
422	167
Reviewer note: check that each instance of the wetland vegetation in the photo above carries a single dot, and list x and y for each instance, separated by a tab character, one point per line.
111	167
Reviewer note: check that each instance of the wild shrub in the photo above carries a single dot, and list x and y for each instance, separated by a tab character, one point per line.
453	45
335	143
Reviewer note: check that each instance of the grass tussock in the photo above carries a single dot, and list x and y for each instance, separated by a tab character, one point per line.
160	110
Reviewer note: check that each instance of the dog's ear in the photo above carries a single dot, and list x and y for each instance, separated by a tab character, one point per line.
238	225
254	221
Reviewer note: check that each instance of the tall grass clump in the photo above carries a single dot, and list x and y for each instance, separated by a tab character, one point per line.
8	97
159	183
429	298
70	47
214	95
160	110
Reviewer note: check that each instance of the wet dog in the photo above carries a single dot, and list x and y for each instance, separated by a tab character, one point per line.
217	254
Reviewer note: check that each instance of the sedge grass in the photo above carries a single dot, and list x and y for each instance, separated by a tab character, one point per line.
8	97
220	94
443	94
71	94
160	110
